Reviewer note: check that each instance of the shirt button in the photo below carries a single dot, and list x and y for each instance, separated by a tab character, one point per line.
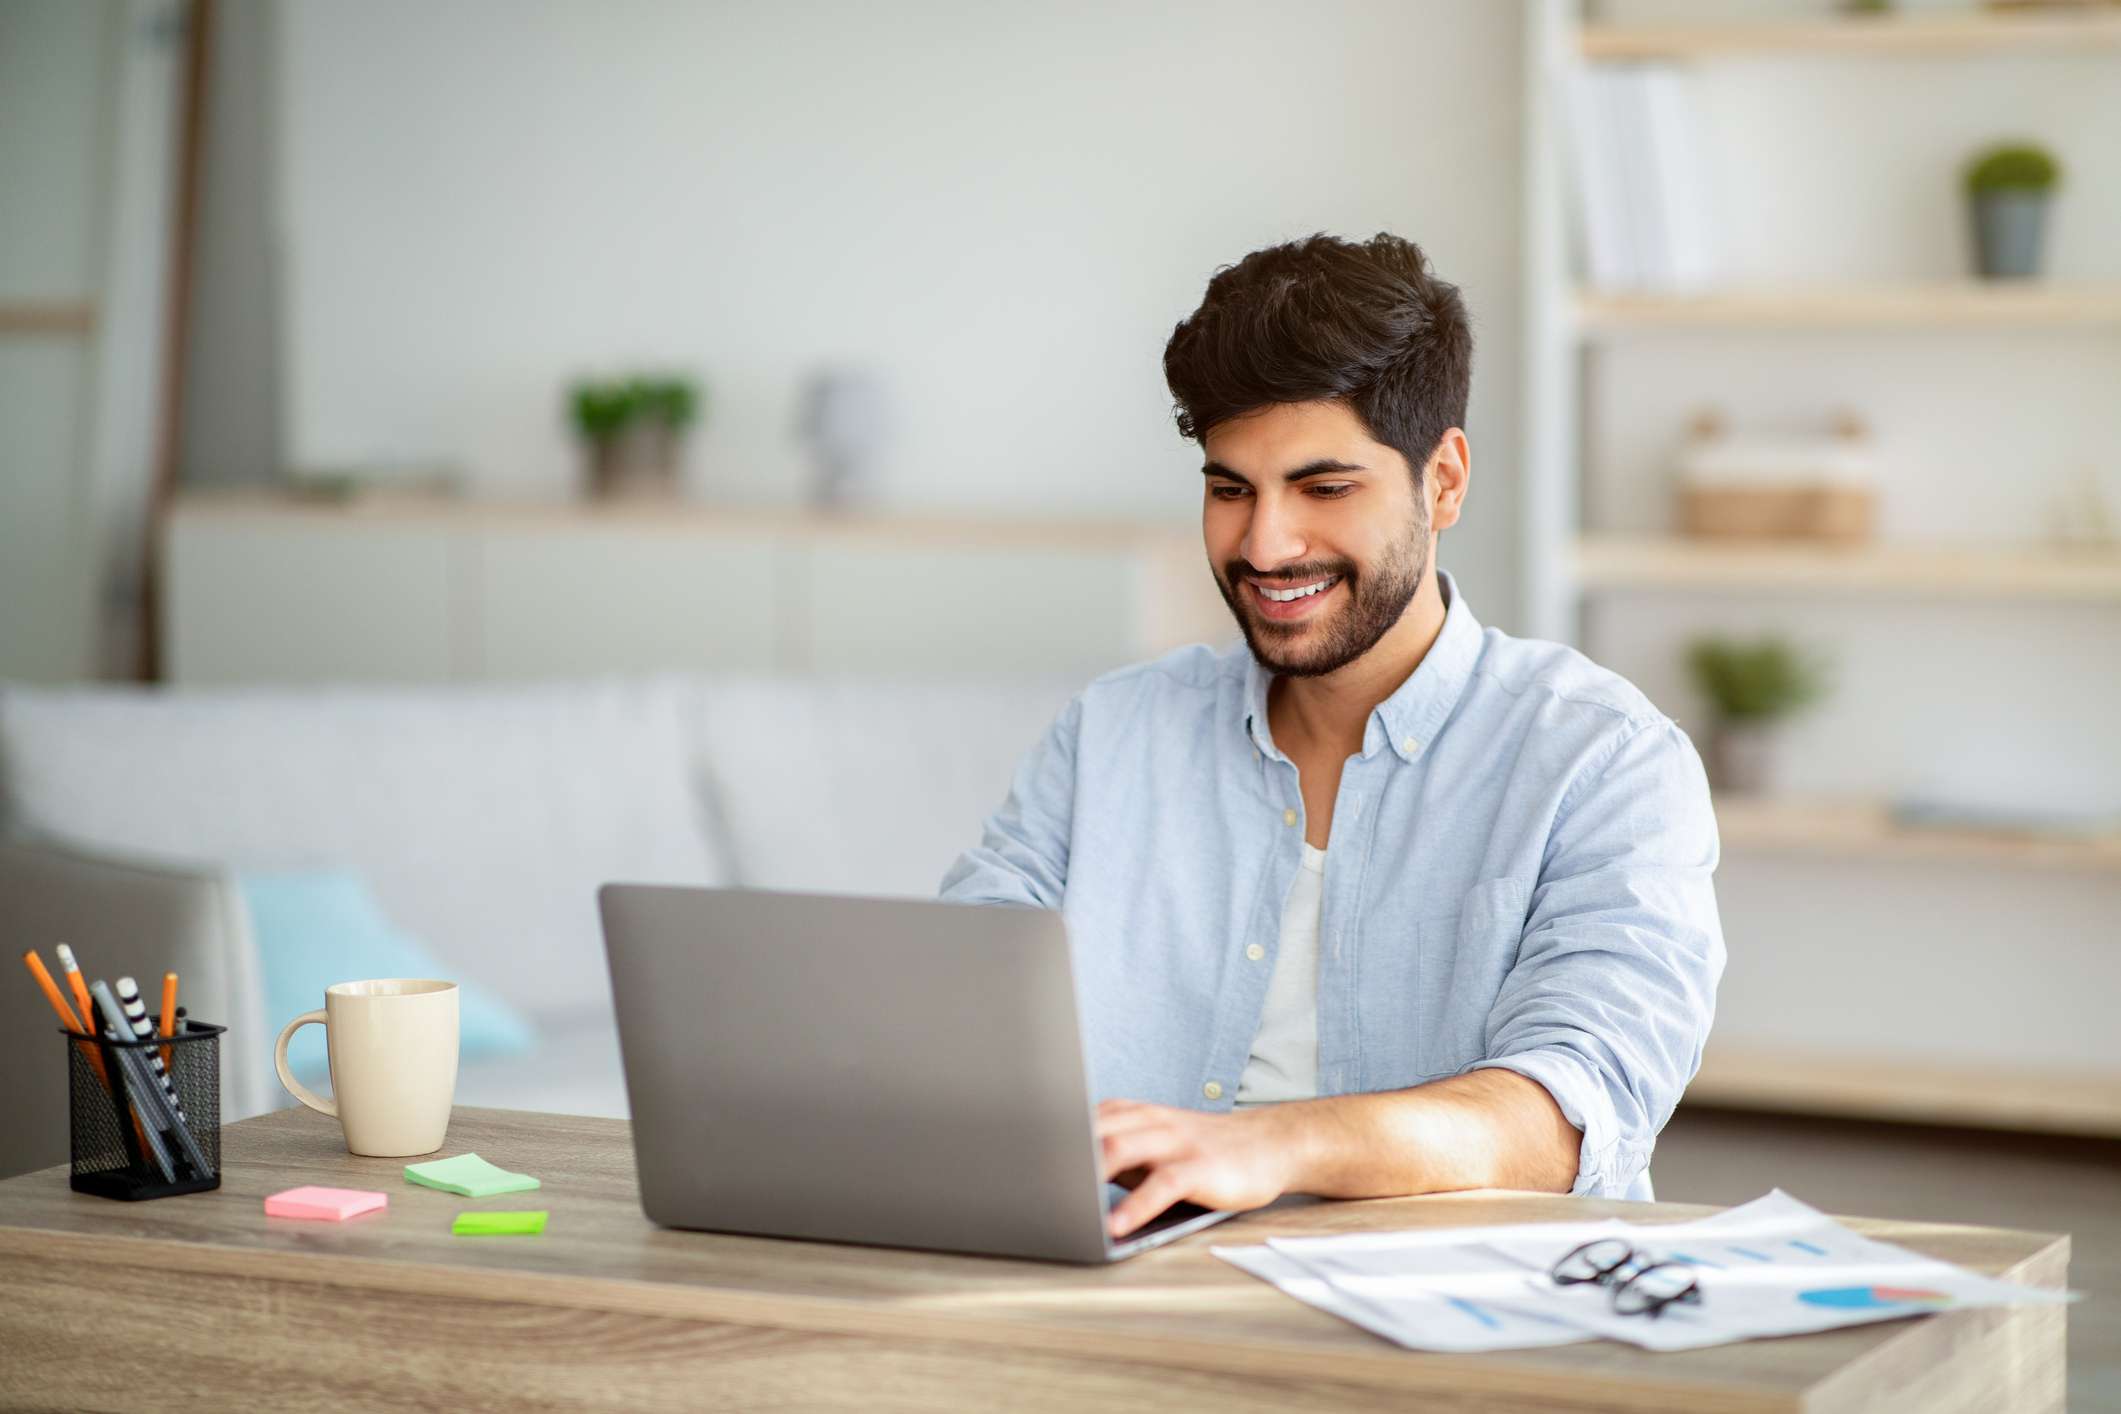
1212	1090
1288	817
1411	745
1255	952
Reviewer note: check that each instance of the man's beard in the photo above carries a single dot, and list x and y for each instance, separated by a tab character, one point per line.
1376	598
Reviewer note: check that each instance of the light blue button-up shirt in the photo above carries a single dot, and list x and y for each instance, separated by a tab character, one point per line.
1519	875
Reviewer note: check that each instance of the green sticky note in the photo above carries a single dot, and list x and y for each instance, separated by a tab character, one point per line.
498	1224
469	1175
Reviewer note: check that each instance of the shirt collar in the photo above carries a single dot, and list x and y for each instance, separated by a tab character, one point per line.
1409	719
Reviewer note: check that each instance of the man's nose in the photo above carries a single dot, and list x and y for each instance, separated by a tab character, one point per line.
1272	538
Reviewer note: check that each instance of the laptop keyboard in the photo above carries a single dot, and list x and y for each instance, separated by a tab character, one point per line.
1169	1217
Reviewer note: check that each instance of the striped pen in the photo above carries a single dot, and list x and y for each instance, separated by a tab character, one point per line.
143	1028
136	1080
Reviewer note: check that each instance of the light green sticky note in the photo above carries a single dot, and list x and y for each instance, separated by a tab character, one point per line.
498	1224
469	1175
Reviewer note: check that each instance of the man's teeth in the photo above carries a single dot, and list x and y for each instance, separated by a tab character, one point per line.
1283	596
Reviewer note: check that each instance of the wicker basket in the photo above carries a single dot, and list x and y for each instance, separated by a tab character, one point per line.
1795	512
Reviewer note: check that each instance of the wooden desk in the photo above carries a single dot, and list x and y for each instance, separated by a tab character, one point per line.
216	1305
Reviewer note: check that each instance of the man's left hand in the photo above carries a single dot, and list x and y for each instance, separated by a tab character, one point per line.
1239	1160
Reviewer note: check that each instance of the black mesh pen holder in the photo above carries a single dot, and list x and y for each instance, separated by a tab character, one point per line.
145	1116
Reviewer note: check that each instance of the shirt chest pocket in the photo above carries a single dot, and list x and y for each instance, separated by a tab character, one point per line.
1428	991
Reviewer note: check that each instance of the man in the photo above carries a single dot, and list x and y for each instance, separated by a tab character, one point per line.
1380	902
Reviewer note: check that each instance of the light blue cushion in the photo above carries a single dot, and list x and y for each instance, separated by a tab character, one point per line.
314	928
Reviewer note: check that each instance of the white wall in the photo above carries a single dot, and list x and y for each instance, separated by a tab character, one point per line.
1003	207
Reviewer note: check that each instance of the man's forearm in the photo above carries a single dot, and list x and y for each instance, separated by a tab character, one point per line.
1487	1129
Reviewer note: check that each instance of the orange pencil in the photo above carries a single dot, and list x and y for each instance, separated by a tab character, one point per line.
75	980
87	1028
35	964
169	1011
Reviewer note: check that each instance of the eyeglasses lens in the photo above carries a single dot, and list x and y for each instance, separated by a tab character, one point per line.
1594	1261
1654	1288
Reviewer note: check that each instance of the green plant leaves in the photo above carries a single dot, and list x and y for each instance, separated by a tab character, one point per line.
1755	681
603	409
2013	167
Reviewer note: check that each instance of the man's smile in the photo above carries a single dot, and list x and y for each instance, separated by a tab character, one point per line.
1287	601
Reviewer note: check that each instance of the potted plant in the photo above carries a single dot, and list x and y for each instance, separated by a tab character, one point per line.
2009	188
633	427
1752	687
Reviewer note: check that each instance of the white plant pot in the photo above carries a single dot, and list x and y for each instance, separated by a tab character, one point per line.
1745	757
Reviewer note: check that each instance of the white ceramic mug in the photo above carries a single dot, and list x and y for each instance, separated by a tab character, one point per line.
393	1047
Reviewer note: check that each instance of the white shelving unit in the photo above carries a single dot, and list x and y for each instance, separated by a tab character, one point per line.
1940	570
1906	1025
1912	306
1970	32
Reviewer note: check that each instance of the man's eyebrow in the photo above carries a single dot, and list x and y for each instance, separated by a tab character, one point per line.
1325	467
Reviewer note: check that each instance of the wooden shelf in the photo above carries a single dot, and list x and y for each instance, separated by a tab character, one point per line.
1946	304
1865	830
1911	1091
1943	570
47	317
1914	36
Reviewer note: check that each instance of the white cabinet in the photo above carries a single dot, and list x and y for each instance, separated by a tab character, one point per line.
309	598
271	590
558	598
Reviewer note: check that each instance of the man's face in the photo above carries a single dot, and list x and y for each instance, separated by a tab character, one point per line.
1297	496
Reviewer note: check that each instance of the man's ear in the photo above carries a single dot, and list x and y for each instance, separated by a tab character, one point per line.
1445	481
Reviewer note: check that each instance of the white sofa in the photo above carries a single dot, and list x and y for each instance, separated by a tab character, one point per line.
483	818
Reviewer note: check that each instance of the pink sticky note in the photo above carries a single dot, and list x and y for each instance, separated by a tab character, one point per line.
324	1204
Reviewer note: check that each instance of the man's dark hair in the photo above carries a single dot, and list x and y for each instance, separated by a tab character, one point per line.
1323	319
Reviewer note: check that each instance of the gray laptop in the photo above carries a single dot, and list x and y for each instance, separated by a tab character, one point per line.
891	1071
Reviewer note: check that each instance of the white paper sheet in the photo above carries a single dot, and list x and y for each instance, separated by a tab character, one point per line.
1437	1320
1774	1266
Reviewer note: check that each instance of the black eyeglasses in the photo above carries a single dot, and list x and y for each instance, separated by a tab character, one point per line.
1640	1286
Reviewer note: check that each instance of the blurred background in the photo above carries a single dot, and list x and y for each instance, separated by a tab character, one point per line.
456	454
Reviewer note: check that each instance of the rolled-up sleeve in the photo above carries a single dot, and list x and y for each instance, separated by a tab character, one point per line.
1022	857
1609	1002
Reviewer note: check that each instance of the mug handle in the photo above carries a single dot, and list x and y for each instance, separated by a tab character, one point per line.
323	1104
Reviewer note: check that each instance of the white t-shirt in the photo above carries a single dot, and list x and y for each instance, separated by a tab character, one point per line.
1284	1063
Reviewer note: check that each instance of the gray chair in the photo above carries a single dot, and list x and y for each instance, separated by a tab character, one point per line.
121	918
